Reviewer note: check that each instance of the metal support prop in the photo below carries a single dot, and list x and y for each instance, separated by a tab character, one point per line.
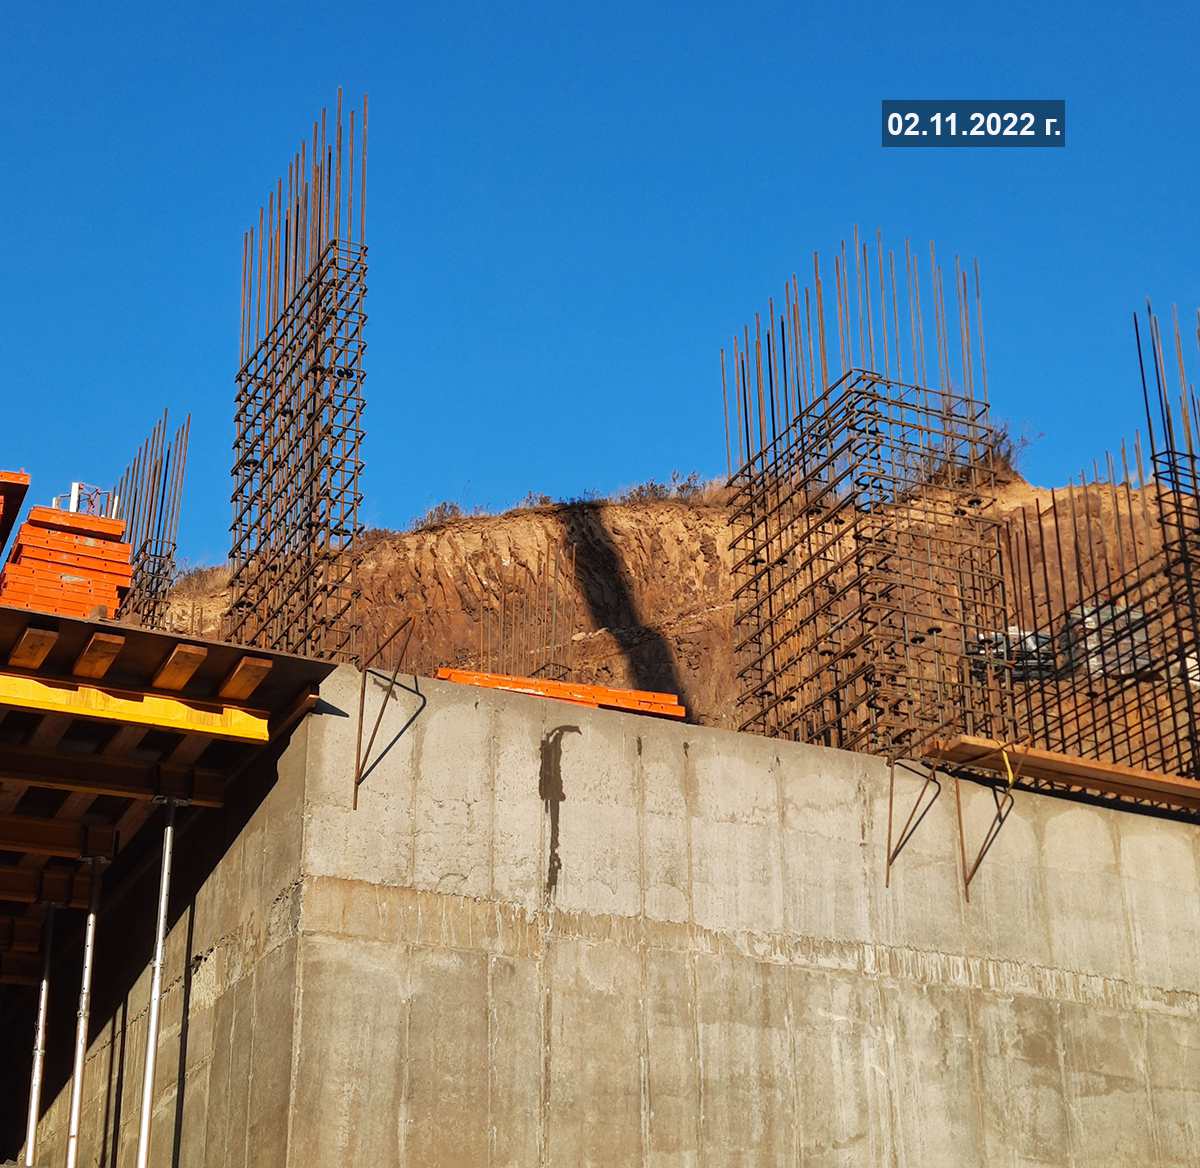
39	1044
81	1019
164	893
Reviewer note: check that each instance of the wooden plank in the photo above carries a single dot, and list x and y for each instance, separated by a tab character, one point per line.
231	722
10	796
49	731
74	806
67	839
1068	770
246	677
97	659
180	667
188	751
32	649
132	820
125	741
135	815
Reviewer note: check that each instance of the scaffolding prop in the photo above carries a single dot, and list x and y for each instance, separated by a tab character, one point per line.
298	423
39	1042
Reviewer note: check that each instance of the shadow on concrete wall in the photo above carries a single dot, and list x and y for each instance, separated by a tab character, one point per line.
552	792
189	969
608	594
124	948
110	1135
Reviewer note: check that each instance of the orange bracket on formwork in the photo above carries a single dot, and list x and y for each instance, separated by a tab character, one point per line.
13	485
67	563
597	696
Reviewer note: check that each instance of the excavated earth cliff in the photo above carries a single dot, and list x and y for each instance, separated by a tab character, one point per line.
654	589
654	593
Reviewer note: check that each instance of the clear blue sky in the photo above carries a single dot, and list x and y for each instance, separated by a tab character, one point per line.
571	208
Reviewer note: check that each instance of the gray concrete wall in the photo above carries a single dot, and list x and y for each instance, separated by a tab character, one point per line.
671	946
225	1046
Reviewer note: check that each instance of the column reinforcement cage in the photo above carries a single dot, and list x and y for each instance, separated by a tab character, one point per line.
149	498
299	416
867	561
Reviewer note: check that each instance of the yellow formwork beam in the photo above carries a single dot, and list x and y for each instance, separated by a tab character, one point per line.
133	708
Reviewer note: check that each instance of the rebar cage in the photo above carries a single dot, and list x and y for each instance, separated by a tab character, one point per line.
867	549
868	569
1104	587
299	431
892	594
149	497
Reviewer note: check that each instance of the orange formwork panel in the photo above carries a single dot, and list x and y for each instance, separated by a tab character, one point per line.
68	563
13	485
53	562
96	526
664	705
53	542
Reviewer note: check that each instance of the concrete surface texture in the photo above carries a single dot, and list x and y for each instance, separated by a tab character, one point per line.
556	936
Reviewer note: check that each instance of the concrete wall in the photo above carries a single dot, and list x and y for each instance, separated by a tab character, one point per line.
556	936
225	1045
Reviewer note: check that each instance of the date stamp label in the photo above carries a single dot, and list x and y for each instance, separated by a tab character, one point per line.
974	123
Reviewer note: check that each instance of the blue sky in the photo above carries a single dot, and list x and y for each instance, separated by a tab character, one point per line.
570	210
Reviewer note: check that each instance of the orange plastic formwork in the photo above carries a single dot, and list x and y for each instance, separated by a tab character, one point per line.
664	705
13	485
67	563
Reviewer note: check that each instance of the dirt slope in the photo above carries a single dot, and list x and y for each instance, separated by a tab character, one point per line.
653	611
654	604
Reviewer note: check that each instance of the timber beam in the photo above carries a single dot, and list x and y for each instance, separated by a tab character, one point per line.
73	699
56	837
20	935
64	887
19	969
100	775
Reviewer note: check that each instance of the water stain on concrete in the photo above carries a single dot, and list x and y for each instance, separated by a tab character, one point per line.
550	788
